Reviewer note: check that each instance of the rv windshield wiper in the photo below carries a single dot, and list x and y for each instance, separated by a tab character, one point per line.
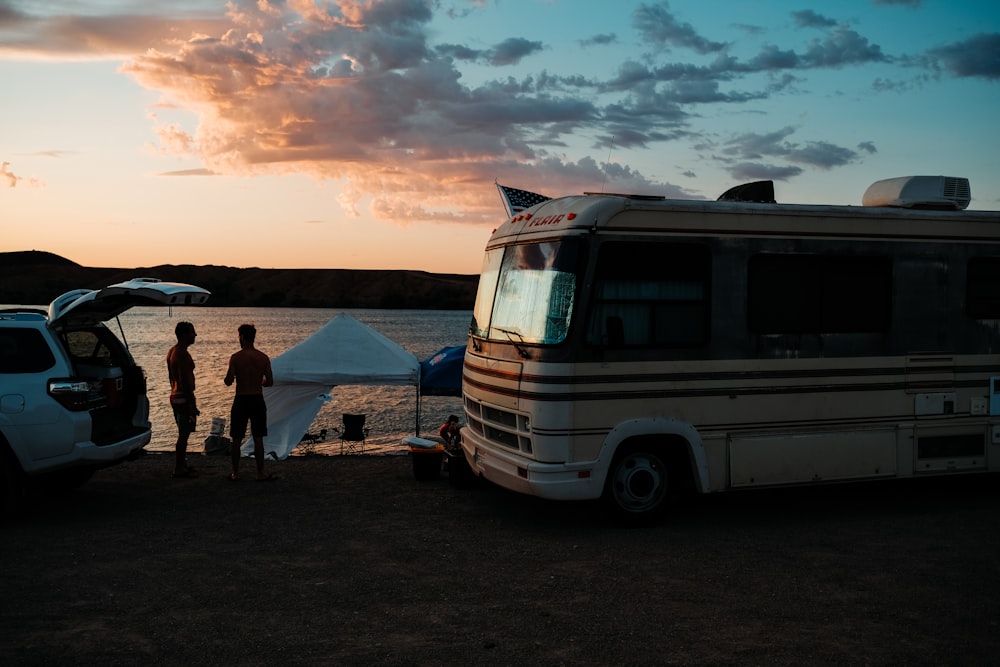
510	336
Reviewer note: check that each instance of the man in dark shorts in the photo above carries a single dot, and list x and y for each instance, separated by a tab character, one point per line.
180	370
251	370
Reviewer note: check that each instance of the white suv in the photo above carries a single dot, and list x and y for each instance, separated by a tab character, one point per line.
72	398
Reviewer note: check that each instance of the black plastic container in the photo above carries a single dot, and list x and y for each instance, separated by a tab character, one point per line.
427	462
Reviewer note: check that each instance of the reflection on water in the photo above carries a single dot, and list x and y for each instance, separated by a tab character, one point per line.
391	411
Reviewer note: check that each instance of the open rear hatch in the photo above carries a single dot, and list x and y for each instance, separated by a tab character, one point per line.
88	307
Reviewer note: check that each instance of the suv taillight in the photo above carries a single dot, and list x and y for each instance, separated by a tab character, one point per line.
71	394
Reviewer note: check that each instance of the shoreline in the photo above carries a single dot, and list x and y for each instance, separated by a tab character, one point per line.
389	445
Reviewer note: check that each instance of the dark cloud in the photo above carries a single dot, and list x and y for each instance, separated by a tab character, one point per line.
511	51
751	171
754	146
658	27
459	51
822	154
842	46
748	147
632	74
587	175
807	18
749	29
771	57
978	56
600	40
882	85
868	147
11	17
508	52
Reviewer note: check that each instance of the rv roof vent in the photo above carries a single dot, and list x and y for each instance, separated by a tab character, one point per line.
933	192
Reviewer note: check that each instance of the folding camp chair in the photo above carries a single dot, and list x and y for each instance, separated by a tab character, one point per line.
352	437
307	445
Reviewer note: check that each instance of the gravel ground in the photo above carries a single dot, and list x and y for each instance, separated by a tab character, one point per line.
351	561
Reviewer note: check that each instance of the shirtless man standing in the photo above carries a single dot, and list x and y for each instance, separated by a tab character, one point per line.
251	370
180	370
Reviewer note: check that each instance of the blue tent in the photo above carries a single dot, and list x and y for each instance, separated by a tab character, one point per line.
441	373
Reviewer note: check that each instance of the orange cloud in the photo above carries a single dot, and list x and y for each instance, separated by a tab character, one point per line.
349	91
13	180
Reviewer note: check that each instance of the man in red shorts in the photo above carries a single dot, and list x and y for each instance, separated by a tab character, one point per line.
251	370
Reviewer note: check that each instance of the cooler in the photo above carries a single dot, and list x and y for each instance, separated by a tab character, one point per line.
427	456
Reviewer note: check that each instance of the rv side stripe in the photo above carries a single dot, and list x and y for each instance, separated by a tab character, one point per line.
731	376
800	233
818	424
625	394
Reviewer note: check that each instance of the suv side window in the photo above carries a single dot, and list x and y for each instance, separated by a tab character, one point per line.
24	351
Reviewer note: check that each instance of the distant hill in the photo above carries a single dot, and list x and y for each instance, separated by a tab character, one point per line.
35	278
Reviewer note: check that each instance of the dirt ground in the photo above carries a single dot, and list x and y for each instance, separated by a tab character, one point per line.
351	561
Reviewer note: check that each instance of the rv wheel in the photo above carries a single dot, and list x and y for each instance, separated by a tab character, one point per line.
637	485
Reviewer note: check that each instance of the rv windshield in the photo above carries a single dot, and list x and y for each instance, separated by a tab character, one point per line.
526	292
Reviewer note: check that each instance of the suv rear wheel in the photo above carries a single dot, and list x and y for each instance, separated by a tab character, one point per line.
66	481
11	482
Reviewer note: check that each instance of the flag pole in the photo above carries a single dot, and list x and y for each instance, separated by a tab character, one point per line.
503	200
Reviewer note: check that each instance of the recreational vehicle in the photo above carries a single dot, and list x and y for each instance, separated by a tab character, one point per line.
626	346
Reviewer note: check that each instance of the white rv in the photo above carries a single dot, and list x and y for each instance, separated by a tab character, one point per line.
627	346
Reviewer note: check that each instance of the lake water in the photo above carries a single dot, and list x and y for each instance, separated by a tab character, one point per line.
390	411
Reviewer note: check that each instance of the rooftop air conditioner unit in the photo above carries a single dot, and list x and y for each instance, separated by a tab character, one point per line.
932	192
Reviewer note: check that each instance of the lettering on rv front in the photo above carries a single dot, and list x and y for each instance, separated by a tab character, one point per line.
550	220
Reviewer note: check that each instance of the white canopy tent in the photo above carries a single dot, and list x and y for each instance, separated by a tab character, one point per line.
342	351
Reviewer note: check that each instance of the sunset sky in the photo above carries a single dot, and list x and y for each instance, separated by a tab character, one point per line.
369	134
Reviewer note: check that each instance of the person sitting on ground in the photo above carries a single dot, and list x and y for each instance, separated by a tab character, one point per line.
449	431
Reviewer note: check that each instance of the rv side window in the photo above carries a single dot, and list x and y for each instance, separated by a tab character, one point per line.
818	294
982	290
650	294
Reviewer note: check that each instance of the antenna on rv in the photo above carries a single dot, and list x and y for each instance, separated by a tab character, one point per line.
610	148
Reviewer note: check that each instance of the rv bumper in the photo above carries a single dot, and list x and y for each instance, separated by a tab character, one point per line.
555	481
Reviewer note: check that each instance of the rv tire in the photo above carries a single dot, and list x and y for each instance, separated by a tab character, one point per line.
637	487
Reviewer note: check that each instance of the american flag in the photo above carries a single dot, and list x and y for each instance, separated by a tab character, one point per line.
518	200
